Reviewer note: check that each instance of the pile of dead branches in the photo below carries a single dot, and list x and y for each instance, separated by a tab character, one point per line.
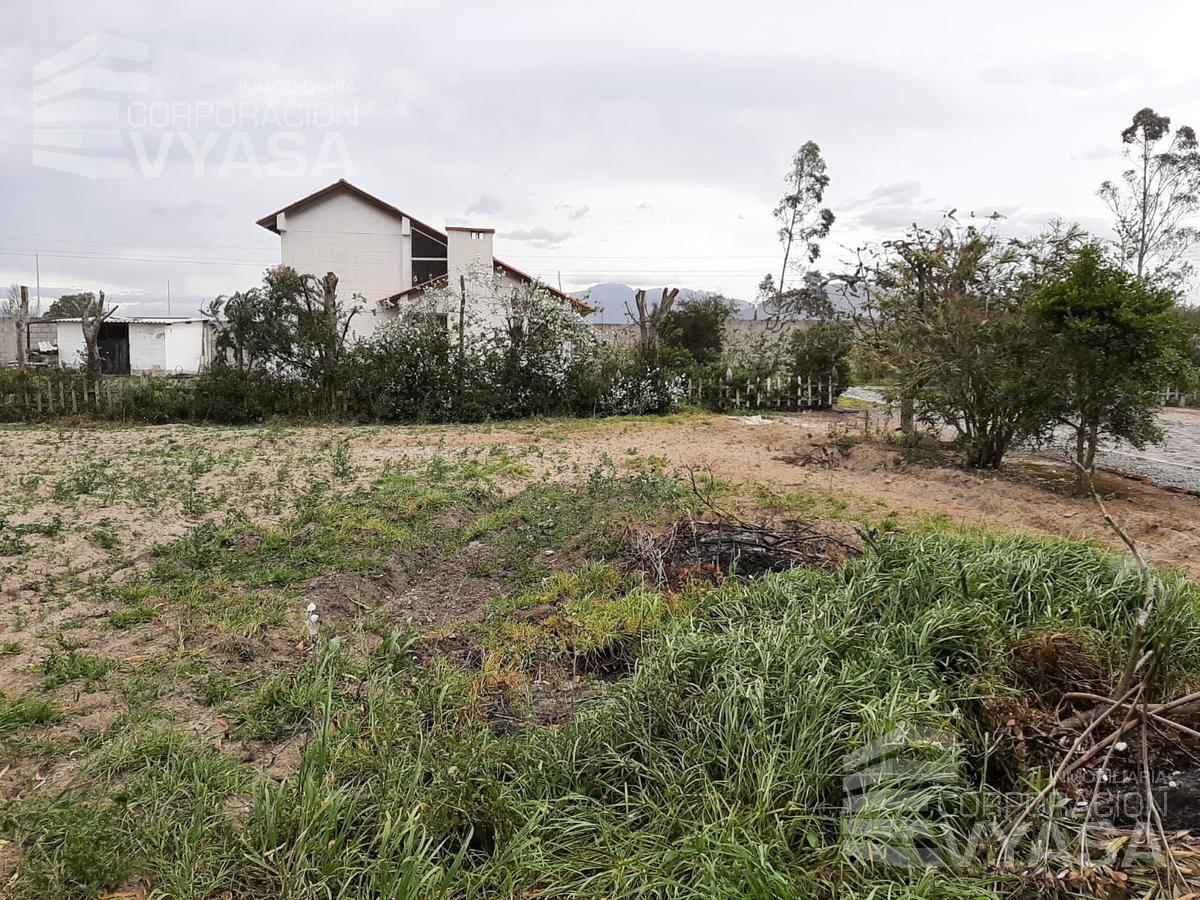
722	544
715	550
1126	720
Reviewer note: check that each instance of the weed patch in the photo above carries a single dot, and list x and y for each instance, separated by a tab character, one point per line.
17	712
68	664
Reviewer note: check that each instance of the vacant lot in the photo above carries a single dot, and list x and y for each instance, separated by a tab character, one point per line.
478	661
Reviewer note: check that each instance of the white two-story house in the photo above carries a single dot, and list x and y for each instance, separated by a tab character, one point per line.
384	258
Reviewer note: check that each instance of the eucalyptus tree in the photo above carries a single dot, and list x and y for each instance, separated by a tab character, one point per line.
803	223
1156	198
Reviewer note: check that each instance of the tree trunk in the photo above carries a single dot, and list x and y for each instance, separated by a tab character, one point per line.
329	300
1082	472
90	321
908	416
1087	441
649	320
22	328
987	452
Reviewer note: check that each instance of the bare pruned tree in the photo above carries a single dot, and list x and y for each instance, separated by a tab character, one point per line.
1156	196
649	321
22	333
90	321
11	301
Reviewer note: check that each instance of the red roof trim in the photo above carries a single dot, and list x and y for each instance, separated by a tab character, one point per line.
415	289
439	280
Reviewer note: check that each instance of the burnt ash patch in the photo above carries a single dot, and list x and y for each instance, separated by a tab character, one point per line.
713	551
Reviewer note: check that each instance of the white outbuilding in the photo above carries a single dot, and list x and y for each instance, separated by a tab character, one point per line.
141	346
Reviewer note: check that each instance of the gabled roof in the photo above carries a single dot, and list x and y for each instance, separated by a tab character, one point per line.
344	186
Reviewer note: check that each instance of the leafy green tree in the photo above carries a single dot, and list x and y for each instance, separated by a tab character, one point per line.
1188	327
698	326
948	320
821	348
71	306
1110	346
290	324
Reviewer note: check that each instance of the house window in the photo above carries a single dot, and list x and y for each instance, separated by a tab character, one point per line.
425	269
426	246
428	257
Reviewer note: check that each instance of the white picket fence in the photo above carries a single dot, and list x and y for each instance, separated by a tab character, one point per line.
1176	397
782	391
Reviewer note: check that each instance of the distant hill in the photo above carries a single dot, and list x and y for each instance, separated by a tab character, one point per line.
611	299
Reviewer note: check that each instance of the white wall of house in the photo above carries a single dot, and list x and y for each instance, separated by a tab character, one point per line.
147	347
188	347
367	248
469	256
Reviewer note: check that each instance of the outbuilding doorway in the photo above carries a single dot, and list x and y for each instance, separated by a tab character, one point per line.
113	344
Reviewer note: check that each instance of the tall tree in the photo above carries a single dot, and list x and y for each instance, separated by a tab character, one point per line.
803	223
71	306
1156	196
1111	346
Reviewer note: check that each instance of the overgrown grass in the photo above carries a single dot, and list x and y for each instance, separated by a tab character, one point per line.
714	770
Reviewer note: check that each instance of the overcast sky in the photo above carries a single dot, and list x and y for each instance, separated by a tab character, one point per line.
642	142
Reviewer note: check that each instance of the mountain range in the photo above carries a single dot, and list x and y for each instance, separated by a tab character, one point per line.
611	299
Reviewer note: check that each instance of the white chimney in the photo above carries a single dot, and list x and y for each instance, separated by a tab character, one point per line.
469	255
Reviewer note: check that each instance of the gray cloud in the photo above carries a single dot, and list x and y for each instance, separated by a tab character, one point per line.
897	192
486	205
1097	152
541	238
890	217
574	212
